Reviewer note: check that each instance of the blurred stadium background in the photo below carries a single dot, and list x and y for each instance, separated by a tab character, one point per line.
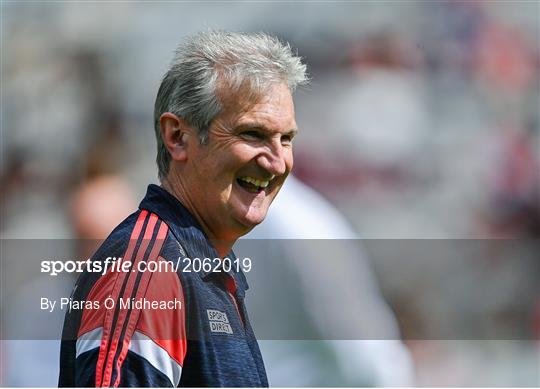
422	122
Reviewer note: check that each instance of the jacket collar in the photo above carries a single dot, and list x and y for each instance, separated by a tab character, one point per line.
187	230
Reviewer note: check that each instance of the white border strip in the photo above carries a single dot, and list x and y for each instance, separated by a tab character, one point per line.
88	341
157	356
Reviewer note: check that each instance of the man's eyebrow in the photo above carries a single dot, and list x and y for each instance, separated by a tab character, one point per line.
262	127
292	132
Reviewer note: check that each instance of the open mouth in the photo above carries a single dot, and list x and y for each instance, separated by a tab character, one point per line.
252	185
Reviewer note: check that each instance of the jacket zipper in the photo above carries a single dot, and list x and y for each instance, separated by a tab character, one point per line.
237	309
230	286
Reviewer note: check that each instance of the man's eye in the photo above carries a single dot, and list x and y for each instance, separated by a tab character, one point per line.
286	139
252	134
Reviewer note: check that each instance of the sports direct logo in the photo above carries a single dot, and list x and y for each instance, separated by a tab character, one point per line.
218	321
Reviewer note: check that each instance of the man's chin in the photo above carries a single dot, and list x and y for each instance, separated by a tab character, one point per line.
251	219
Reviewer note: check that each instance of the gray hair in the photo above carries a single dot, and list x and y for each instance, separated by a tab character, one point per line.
208	60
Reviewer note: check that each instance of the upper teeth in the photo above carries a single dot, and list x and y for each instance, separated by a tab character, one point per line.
254	181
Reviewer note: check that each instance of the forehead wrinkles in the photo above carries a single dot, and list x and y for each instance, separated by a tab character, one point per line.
272	102
240	99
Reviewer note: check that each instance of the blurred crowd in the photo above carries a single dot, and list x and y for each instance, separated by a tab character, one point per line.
422	119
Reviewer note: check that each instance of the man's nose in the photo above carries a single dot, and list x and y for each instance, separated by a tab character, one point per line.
273	160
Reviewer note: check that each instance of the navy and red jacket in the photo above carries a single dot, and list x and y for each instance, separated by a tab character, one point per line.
207	342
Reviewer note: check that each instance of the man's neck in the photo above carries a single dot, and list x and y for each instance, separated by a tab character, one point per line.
222	246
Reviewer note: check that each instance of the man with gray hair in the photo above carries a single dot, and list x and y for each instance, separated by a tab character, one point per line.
224	122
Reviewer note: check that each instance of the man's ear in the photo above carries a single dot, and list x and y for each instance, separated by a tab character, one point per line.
175	134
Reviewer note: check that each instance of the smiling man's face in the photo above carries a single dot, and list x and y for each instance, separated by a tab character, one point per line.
234	178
